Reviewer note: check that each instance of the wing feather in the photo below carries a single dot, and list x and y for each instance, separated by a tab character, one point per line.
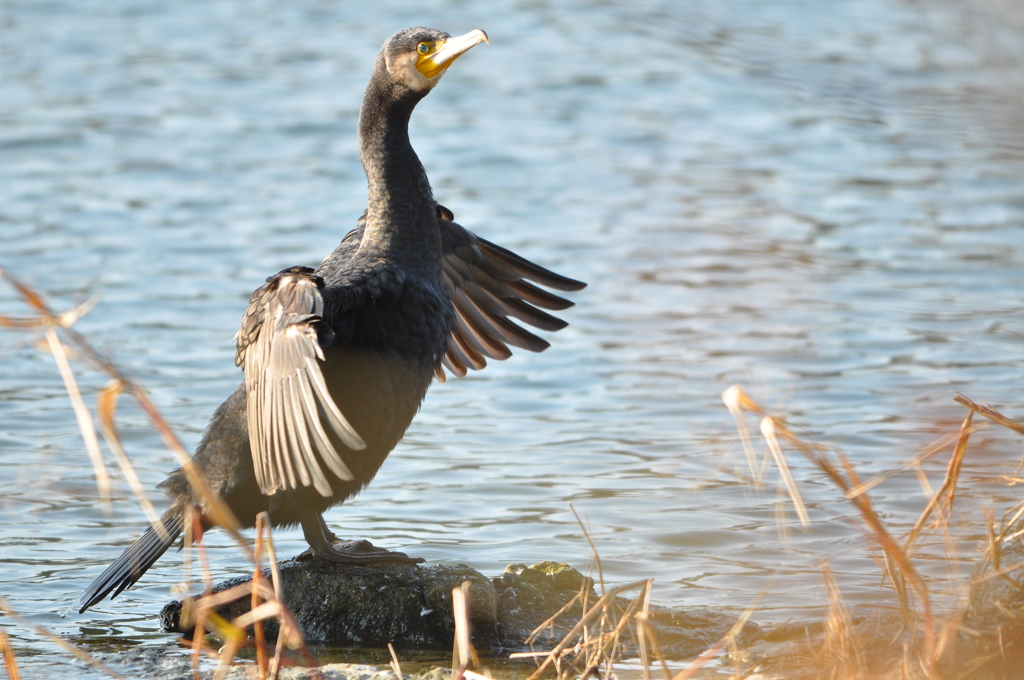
453	364
465	354
290	408
491	285
468	322
526	269
536	296
316	429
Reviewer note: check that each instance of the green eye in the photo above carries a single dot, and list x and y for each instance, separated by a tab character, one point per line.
423	48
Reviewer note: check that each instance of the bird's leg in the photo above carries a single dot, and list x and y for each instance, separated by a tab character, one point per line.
328	534
325	545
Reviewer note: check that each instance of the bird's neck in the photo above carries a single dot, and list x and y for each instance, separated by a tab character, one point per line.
401	220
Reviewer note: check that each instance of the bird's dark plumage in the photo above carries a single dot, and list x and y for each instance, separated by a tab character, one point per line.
338	360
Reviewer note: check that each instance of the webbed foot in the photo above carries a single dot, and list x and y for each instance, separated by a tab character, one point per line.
325	545
357	552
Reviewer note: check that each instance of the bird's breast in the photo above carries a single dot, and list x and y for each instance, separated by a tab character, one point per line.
415	326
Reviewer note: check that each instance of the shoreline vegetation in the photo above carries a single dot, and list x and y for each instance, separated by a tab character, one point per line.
980	635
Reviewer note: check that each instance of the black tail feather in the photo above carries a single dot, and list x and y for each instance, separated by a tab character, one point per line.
133	562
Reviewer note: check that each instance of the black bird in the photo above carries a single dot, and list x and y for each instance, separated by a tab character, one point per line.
338	360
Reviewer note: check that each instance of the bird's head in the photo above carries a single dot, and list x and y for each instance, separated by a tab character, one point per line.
417	57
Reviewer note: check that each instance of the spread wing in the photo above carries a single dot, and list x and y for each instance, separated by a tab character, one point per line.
491	286
289	408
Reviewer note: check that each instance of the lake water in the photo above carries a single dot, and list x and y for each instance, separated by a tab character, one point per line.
822	202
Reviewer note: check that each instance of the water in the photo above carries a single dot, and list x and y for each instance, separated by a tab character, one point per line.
823	204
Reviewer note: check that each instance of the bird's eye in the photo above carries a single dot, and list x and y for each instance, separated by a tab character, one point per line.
423	48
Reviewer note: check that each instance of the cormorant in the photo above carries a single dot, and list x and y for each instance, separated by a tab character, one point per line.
338	360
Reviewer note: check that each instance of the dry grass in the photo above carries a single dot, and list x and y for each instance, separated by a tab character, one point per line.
10	663
612	632
64	343
927	644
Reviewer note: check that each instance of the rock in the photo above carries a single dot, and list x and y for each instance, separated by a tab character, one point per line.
406	605
529	596
410	606
483	599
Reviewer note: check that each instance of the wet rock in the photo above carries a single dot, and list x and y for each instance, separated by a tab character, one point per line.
483	600
410	606
368	606
529	596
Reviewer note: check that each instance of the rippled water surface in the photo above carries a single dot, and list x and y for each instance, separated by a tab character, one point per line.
821	202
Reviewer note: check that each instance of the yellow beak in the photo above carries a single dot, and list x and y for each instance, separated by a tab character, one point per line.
434	64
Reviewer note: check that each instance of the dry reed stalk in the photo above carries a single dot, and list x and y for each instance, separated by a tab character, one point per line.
567	641
395	665
193	520
605	649
233	632
944	497
106	409
257	575
769	427
938	635
470	675
648	636
728	640
274	606
10	663
275	578
948	633
463	652
50	321
840	643
906	569
593	548
736	400
596	641
899	584
550	622
289	632
991	414
846	479
994	556
652	637
601	648
213	506
936	447
85	425
1015	514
